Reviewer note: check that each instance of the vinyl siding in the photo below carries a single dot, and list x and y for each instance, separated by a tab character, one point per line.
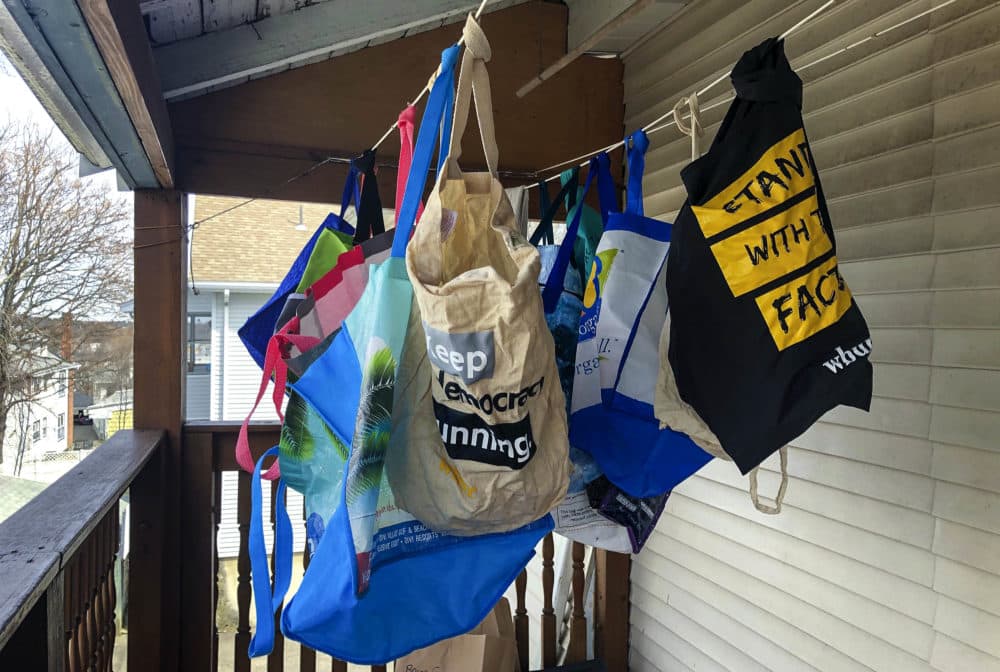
886	555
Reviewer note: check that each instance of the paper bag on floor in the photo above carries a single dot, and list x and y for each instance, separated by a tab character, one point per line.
490	647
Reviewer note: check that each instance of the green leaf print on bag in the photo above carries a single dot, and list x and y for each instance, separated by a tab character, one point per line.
371	433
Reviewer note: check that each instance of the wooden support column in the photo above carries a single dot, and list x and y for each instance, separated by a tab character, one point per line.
160	318
611	609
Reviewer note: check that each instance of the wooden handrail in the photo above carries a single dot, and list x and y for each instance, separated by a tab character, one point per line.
38	541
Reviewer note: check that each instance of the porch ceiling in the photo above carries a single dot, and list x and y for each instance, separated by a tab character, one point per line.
204	45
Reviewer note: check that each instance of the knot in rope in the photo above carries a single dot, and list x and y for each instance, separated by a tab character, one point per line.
475	40
694	130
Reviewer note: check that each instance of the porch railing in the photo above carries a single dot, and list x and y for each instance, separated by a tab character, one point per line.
210	445
57	559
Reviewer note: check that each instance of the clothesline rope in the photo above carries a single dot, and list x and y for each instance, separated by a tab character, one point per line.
651	127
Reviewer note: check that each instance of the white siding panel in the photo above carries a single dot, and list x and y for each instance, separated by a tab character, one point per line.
886	555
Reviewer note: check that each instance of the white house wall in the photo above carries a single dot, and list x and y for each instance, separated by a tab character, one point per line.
887	555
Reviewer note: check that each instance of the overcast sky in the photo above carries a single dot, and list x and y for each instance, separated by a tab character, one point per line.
18	103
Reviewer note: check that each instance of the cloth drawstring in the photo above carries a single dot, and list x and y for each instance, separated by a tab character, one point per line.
694	130
780	497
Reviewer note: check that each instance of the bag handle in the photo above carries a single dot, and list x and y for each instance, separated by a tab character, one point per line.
543	233
605	185
474	79
434	127
369	205
406	123
636	146
274	366
263	640
557	276
778	498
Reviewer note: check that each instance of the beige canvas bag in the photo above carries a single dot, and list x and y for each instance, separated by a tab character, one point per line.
487	446
675	413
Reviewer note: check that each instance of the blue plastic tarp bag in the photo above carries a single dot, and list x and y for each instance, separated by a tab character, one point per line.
630	448
381	584
260	326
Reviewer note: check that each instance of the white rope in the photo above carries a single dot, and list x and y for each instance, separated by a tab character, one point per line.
650	128
430	81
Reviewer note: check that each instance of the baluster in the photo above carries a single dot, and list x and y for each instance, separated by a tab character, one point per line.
338	666
548	613
107	580
578	630
378	668
100	548
521	619
307	656
276	659
243	590
93	617
73	662
84	642
217	517
112	590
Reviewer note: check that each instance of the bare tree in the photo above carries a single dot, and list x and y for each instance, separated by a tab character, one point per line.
64	248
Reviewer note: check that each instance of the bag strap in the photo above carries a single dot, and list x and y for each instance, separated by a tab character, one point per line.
349	193
778	498
440	103
274	367
369	205
267	596
636	146
557	276
406	123
543	233
605	185
474	79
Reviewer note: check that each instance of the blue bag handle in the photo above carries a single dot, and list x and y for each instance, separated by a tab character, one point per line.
557	276
543	233
263	640
605	185
636	146
435	128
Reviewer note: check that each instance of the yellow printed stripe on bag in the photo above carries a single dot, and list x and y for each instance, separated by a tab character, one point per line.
806	305
782	172
774	248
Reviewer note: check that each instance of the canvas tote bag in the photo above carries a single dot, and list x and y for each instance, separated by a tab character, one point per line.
494	387
765	336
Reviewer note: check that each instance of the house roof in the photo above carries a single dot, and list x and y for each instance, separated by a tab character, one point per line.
121	398
81	399
15	493
256	242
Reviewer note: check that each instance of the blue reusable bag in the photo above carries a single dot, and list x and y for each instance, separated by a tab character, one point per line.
381	584
631	449
259	327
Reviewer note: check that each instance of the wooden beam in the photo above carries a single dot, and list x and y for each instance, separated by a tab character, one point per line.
248	139
120	34
160	318
314	32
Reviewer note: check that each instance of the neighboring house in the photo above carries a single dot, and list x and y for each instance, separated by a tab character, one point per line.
111	414
37	428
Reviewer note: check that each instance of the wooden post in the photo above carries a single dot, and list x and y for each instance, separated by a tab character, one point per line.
198	573
160	313
611	609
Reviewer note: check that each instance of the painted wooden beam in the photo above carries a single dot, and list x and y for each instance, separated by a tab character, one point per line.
53	49
118	29
311	33
249	139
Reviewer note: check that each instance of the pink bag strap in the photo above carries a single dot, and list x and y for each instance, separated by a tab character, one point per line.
406	123
274	365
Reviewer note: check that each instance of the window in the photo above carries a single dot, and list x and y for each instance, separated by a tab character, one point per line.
36	431
199	350
61	382
61	426
45	427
